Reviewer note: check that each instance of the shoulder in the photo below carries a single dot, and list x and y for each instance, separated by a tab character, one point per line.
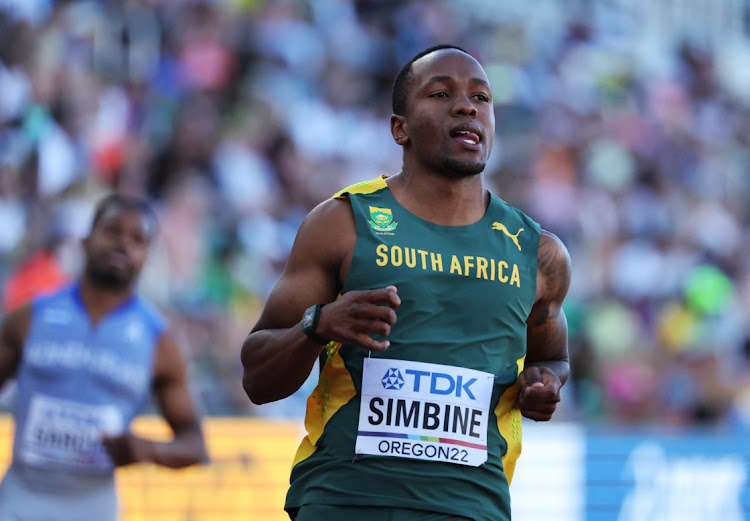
325	238
16	325
64	296
327	217
18	321
332	221
553	264
552	249
150	315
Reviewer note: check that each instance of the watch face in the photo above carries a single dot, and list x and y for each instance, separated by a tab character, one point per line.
307	318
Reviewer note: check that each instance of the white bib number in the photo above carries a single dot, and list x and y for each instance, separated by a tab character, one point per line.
424	411
68	433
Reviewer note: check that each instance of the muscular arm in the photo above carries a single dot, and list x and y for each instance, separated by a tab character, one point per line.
12	337
546	368
277	356
176	404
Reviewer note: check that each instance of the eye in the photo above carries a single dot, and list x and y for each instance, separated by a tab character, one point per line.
139	238
440	94
110	229
483	97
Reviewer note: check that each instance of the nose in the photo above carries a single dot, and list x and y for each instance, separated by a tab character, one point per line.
464	106
120	242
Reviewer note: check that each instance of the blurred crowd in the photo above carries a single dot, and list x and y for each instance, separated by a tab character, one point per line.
622	126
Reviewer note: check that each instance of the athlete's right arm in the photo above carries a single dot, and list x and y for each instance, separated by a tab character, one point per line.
12	337
277	356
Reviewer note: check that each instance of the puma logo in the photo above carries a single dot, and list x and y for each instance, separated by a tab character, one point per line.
501	227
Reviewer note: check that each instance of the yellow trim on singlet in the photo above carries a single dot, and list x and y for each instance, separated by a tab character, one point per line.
509	424
363	187
322	404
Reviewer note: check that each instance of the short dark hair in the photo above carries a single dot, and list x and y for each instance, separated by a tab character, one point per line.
128	203
404	76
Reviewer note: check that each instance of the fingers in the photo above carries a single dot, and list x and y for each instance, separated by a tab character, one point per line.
117	448
539	378
359	315
539	415
538	403
390	295
371	344
539	393
360	332
378	327
386	298
126	449
373	313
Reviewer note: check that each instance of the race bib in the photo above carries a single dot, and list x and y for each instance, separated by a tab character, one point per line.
424	411
68	433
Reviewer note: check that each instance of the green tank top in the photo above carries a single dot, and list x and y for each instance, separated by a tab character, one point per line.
430	423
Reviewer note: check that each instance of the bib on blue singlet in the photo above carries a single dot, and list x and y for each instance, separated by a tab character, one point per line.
68	432
424	411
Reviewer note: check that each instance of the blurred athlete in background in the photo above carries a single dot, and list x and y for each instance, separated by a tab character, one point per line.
87	359
436	310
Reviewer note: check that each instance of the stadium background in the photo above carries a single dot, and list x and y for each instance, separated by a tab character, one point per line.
623	126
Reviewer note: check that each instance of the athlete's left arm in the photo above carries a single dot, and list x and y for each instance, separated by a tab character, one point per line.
178	409
546	368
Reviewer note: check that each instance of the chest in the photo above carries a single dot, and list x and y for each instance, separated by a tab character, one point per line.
115	355
477	266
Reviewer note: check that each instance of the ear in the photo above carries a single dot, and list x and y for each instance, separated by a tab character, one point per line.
399	130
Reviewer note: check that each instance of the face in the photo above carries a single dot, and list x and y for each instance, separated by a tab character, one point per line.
449	123
116	249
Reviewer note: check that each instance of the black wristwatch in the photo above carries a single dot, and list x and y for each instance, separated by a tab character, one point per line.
310	323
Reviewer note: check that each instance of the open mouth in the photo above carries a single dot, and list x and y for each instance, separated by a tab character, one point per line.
117	261
466	136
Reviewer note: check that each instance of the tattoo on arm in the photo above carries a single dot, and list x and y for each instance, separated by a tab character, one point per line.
548	330
553	263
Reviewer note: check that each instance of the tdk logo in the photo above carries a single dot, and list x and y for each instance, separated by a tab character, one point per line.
432	383
393	379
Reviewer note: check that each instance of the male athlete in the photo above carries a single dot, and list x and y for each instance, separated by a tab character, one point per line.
436	310
86	360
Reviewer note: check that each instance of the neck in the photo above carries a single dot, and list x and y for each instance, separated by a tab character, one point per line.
99	301
441	200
